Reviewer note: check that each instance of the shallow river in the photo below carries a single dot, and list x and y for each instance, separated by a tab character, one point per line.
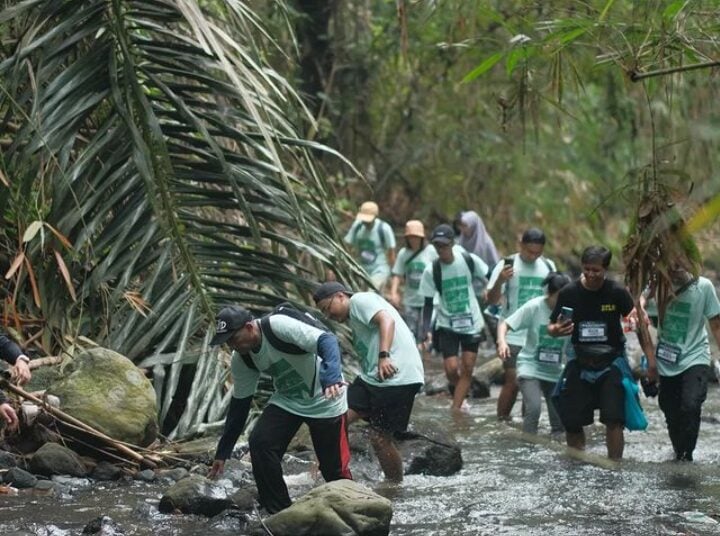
507	486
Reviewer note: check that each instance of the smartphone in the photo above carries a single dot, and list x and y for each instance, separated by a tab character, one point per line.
509	261
566	313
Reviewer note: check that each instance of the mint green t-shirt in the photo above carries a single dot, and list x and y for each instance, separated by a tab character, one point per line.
373	256
366	341
525	284
682	337
412	271
457	309
296	377
541	356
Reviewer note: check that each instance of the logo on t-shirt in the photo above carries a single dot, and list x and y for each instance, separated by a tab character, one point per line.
608	307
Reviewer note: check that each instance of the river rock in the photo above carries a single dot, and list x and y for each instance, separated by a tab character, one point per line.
244	498
146	475
103	526
173	475
54	459
108	392
479	388
195	495
106	471
337	508
429	453
20	479
229	522
7	460
490	372
47	488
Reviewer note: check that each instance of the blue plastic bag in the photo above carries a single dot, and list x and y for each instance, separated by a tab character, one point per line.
634	416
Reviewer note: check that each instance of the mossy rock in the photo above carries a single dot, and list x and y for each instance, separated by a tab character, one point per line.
334	509
108	392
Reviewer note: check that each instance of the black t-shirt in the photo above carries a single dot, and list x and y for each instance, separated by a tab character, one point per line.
597	314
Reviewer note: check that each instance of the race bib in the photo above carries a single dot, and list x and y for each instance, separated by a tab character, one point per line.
668	352
368	256
589	331
461	321
549	355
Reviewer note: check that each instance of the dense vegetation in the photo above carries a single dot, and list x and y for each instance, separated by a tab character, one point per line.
531	112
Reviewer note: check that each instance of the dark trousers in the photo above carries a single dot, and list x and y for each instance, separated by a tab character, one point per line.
681	398
269	441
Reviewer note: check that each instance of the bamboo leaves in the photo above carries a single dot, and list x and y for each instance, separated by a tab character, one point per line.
157	144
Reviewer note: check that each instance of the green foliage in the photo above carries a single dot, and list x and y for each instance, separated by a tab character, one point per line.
524	111
156	148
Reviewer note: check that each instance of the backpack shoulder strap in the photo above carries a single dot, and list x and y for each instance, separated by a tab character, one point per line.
470	263
276	342
381	229
413	256
548	265
437	276
355	232
249	363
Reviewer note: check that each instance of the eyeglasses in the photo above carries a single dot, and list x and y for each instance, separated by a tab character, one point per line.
324	310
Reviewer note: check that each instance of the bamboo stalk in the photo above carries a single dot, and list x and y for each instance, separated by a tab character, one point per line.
45	361
64	417
635	76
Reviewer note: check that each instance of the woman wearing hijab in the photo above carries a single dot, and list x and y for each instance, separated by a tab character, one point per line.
475	238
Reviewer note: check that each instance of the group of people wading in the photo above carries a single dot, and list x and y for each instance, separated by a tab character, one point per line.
560	340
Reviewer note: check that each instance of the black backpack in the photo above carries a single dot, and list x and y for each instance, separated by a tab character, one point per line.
437	271
287	309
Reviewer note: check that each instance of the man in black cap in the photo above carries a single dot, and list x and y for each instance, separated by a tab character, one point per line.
459	321
304	363
515	281
392	370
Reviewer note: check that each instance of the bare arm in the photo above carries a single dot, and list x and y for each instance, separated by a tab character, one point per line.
715	328
386	328
391	256
394	290
502	345
494	294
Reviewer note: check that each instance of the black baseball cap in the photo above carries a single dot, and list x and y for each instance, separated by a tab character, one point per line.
229	320
443	234
327	289
533	236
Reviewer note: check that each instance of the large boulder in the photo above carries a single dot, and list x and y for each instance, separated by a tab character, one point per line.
195	495
337	508
53	459
108	392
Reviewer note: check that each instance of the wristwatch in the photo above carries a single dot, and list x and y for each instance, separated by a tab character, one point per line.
383	354
23	358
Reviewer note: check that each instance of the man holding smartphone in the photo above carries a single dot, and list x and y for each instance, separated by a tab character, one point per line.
515	281
591	309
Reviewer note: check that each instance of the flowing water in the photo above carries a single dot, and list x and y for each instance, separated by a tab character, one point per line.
507	486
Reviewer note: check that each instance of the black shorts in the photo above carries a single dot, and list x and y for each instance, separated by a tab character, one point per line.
511	362
449	342
385	408
579	399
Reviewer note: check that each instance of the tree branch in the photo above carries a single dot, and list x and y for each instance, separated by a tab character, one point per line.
636	76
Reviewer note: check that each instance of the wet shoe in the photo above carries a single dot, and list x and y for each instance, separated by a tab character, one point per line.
683	457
